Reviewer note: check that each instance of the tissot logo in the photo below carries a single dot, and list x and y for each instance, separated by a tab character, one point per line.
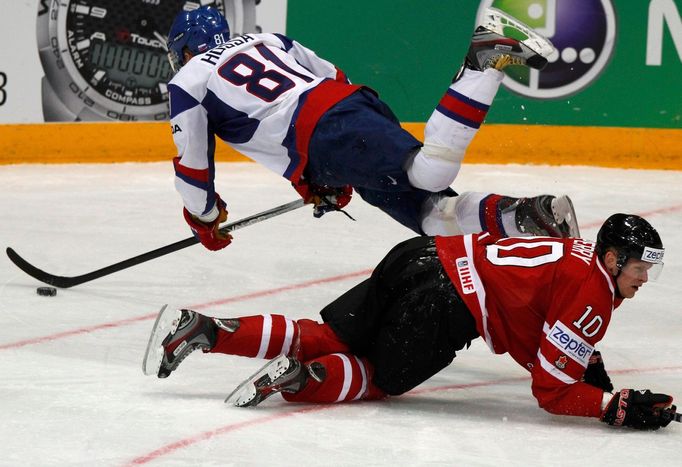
154	43
583	31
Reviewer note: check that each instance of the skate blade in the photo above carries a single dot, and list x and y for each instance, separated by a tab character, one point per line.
493	21
166	322
563	211
246	392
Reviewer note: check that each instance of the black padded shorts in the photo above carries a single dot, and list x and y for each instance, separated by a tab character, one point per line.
407	318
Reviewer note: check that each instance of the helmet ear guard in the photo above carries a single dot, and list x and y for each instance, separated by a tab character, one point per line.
196	31
631	236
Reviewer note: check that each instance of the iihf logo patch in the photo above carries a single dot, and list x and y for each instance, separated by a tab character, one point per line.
561	362
466	279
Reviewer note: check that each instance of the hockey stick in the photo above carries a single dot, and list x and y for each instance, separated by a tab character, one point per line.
674	416
65	282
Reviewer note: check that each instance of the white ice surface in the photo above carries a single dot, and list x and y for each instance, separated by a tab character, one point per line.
72	390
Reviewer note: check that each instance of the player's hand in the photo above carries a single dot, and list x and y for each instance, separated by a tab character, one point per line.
209	233
324	198
643	410
595	374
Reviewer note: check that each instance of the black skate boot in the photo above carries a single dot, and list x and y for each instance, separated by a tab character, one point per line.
176	334
281	374
502	40
546	215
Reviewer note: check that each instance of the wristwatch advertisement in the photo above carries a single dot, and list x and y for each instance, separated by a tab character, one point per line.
107	61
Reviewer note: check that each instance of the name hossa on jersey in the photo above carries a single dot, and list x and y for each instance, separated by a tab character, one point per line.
249	92
546	301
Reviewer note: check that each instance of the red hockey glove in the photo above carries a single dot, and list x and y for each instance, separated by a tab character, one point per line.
643	410
209	234
325	198
595	374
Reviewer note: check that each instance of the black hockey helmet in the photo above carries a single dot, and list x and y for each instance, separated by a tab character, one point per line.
631	237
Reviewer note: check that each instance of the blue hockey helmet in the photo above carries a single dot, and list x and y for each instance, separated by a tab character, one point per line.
196	31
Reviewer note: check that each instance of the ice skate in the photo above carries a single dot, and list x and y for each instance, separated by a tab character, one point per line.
281	374
502	40
175	335
546	215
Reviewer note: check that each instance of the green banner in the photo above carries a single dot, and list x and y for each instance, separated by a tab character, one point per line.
618	62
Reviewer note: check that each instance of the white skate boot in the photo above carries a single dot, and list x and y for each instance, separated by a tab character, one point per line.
501	40
281	374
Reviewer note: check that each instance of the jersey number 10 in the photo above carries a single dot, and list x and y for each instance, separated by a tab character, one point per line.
592	327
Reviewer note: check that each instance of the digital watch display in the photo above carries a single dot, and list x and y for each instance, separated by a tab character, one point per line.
107	60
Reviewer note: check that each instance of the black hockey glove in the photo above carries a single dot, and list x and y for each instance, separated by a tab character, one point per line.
595	374
643	410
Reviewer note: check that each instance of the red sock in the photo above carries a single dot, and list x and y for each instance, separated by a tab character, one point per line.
347	378
262	336
267	336
318	339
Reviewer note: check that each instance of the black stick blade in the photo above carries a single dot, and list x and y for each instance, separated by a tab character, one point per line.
57	281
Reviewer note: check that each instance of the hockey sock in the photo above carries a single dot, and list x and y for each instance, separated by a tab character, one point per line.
337	377
492	217
261	336
316	339
451	128
486	212
267	336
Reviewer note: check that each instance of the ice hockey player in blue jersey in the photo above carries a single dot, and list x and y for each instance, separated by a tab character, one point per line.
278	103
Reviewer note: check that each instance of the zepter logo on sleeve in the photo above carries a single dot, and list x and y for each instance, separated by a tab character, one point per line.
570	343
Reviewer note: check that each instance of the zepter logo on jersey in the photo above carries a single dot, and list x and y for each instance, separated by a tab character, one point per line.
583	31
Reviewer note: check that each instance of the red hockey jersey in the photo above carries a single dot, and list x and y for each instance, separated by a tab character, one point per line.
546	301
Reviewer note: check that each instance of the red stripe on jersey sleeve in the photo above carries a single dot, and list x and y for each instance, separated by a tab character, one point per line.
578	399
200	175
562	362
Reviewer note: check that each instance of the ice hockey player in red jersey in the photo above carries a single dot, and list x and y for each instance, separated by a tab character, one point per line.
545	301
278	103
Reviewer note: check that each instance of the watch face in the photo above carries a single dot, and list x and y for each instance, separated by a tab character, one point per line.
112	55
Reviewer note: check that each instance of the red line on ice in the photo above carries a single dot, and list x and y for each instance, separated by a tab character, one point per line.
206	435
236	298
644	214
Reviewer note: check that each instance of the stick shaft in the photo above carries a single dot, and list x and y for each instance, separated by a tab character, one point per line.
70	281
